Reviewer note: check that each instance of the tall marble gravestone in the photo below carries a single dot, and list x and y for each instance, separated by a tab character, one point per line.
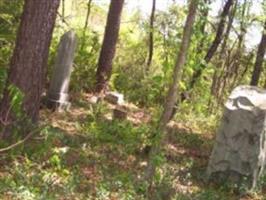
240	145
57	96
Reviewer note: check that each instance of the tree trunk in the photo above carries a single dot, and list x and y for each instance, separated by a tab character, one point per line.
86	24
232	67
215	43
29	61
173	90
151	44
220	31
259	59
204	15
241	47
63	9
215	81
107	53
87	15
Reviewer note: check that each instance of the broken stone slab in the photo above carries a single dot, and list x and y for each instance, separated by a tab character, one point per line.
240	146
132	107
94	99
114	98
57	95
120	112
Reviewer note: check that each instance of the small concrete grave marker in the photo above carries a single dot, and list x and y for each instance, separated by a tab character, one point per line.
120	112
94	100
57	97
114	98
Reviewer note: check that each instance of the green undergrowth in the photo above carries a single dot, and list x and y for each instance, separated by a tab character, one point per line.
104	159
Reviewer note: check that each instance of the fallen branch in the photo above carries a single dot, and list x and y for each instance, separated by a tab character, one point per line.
21	141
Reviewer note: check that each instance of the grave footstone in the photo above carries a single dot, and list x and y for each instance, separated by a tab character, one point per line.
58	97
120	112
94	100
114	98
240	145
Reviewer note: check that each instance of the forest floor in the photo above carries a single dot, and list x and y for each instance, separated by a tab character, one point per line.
83	154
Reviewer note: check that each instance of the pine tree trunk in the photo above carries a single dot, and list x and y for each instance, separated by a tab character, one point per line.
173	90
107	53
29	61
259	59
151	43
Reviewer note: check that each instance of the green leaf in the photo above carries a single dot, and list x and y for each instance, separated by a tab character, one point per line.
16	101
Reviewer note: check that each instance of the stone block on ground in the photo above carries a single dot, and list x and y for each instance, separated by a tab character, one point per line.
132	107
114	98
120	112
240	146
94	99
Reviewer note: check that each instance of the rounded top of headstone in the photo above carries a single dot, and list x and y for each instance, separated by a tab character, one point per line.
247	98
69	36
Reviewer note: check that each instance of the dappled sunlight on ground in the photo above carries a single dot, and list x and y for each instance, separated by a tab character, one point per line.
84	158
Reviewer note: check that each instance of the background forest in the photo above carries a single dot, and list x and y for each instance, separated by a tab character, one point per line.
175	62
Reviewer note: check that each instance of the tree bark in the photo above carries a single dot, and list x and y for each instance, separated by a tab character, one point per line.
215	43
259	59
29	61
151	42
173	90
108	49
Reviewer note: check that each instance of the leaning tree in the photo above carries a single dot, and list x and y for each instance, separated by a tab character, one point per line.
215	44
171	97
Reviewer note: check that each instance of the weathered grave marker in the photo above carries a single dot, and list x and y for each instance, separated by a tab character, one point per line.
120	112
58	97
240	145
114	98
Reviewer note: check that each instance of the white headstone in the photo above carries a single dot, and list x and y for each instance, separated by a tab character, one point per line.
58	97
